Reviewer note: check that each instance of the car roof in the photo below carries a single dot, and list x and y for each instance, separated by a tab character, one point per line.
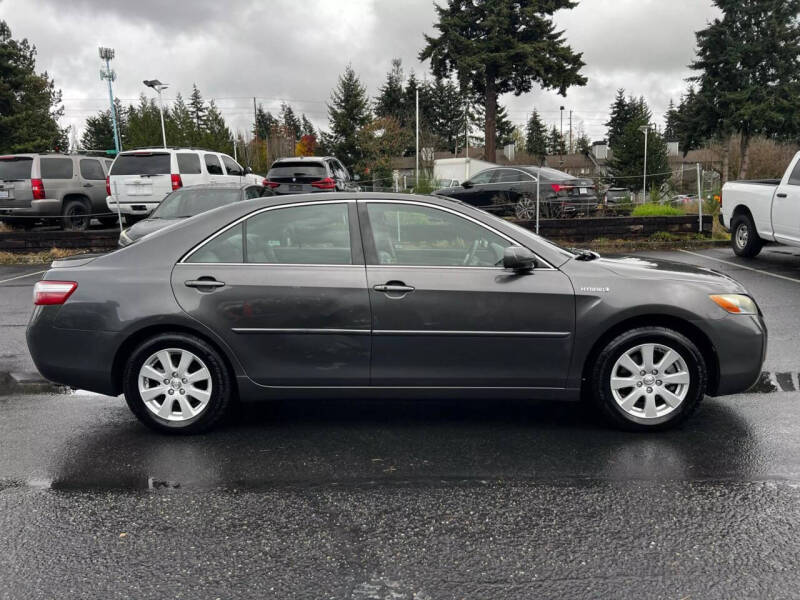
301	159
220	186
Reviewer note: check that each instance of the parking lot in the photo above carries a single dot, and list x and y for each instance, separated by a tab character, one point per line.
378	499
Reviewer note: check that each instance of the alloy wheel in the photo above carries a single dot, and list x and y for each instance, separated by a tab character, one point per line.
525	209
175	384
650	380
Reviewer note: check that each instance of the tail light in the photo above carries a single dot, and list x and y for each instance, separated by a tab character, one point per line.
37	187
176	182
108	186
46	293
270	184
324	184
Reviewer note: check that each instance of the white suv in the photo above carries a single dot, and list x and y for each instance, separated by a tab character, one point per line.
140	179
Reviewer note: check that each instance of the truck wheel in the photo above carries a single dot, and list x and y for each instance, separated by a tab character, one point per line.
75	216
744	238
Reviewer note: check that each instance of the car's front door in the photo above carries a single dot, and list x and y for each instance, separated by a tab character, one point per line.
445	312
286	289
478	189
786	208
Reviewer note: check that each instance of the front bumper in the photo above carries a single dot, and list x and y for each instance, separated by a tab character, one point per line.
741	346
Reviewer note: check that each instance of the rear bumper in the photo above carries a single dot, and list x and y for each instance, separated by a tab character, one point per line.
741	345
131	208
36	208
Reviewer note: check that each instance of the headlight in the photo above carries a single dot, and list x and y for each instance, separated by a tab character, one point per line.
738	304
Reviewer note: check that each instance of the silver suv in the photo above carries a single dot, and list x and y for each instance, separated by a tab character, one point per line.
34	187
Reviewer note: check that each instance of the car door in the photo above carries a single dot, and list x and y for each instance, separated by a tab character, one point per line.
234	171
213	168
445	314
59	176
786	208
286	289
189	168
507	186
473	191
94	183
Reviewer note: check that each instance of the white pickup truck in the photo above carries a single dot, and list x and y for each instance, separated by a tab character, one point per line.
758	212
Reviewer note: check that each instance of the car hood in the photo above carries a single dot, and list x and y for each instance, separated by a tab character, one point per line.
648	268
142	228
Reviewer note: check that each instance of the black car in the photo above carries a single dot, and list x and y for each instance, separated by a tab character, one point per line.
512	191
308	174
618	201
190	201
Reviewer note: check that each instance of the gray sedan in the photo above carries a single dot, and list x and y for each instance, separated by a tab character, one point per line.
350	295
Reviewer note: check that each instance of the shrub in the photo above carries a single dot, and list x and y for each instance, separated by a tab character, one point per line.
657	210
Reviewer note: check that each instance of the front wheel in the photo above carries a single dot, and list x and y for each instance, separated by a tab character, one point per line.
177	383
649	378
525	208
744	238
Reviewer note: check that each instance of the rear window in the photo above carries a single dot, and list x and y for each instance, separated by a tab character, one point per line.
15	167
297	169
554	175
188	164
189	202
56	168
142	164
92	169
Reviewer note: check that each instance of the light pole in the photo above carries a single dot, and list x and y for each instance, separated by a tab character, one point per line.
561	133
159	87
107	54
644	129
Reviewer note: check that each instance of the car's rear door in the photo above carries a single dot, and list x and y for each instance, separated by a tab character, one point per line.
190	168
141	176
286	289
93	178
444	313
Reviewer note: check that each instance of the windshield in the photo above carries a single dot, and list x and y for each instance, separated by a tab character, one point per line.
188	202
15	167
145	163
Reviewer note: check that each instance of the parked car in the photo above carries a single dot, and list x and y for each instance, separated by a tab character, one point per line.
345	294
763	211
187	202
308	174
618	201
34	187
512	190
140	179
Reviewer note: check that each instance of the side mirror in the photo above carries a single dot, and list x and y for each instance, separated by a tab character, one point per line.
466	184
248	170
518	259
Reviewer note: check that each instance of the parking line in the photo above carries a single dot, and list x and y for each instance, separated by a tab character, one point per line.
728	262
22	276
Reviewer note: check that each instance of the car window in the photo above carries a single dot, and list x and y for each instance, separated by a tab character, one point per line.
15	167
191	201
142	163
315	234
188	163
212	164
510	176
794	178
482	177
344	175
92	169
299	168
554	174
232	166
56	168
409	234
253	191
225	248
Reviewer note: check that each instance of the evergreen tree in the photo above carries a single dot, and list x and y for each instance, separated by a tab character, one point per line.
197	108
307	127
748	71
181	126
505	128
583	145
98	133
671	125
390	100
627	163
265	123
446	114
621	114
144	123
348	112
536	136
555	142
290	122
30	104
501	46
216	135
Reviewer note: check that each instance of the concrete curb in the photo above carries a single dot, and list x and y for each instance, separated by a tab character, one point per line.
12	383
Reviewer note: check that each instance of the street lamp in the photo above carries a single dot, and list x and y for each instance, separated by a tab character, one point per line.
107	54
644	129
159	87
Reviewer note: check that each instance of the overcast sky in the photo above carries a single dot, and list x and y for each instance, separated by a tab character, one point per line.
294	50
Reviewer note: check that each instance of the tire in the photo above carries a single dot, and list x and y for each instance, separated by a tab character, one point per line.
525	208
744	238
630	407
75	215
192	409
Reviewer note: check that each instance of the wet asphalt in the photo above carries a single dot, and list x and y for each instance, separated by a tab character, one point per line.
401	500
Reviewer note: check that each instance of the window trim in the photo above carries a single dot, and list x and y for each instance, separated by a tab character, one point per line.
356	248
219	162
370	253
531	178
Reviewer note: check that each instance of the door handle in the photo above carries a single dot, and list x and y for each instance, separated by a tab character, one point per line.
204	283
393	286
87	185
781	195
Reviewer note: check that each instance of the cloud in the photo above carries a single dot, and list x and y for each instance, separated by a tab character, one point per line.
285	49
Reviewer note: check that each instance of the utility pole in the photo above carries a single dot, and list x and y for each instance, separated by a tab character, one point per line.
107	54
561	133
644	129
417	152
699	199
466	129
159	87
255	119
570	131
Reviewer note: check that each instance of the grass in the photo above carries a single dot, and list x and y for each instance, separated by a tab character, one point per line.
38	258
657	210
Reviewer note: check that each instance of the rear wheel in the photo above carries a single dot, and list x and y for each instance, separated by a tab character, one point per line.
525	208
76	216
177	383
649	378
744	238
